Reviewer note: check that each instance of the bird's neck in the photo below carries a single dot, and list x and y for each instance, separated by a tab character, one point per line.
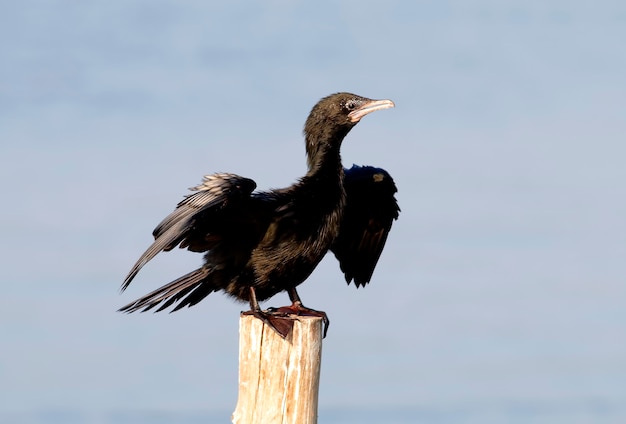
322	148
324	163
324	192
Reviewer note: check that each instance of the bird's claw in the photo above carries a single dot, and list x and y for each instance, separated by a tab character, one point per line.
300	310
280	322
281	319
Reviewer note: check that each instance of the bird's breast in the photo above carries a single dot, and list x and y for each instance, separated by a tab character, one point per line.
300	232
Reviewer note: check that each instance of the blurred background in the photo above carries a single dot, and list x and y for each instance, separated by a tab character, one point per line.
500	295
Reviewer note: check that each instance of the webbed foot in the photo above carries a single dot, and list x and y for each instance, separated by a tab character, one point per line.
281	319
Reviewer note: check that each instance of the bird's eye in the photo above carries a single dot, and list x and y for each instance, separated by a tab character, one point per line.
350	105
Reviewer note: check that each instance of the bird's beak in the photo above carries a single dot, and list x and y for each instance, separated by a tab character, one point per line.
369	107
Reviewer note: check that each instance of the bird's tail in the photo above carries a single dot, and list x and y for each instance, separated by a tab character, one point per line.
186	290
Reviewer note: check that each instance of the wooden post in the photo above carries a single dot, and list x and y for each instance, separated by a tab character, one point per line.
278	378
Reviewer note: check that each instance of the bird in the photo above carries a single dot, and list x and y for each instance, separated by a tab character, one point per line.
260	243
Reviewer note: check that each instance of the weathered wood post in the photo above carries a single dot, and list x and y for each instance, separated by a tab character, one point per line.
278	378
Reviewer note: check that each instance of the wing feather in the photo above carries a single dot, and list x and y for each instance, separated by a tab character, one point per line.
370	210
215	193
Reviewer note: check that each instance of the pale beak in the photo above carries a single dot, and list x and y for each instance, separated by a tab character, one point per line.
369	107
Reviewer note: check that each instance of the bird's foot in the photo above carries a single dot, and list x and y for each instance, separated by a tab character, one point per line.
298	309
281	319
280	322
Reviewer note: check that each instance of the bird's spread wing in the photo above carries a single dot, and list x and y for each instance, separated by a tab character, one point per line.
216	193
370	210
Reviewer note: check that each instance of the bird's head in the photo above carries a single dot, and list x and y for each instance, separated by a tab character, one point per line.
334	116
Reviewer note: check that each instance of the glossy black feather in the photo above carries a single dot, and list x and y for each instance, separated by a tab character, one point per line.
190	223
258	244
370	210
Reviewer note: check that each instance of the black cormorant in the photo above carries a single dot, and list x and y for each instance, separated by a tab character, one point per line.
258	244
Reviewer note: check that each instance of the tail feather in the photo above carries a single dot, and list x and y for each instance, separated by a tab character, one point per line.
179	290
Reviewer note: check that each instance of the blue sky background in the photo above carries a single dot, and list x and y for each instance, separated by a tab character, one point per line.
501	294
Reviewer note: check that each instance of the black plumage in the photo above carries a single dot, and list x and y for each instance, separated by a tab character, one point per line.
258	244
370	210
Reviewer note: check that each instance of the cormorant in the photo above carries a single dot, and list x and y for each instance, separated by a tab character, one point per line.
259	243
